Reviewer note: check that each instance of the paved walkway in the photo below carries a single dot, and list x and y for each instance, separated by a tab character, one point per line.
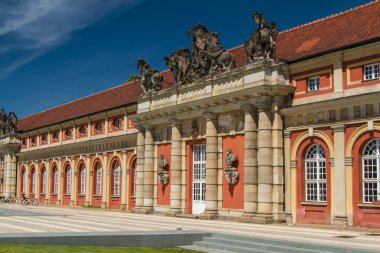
18	219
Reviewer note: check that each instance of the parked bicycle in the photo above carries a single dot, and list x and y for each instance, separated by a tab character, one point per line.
27	201
9	200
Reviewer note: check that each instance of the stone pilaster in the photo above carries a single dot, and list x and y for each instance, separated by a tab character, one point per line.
139	194
338	171
60	176
287	158
176	169
278	160
211	211
105	180
265	161
27	190
48	183
74	177
149	170
250	161
123	195
88	181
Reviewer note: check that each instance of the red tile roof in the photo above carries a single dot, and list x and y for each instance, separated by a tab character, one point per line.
354	26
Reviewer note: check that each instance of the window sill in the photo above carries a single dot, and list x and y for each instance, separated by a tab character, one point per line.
320	204
369	80
97	196
42	194
115	196
81	195
372	206
54	194
67	194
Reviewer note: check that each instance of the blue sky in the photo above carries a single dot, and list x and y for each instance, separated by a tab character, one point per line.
56	51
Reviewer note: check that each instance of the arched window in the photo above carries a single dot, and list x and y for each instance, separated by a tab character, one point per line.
55	180
43	185
315	174
98	179
68	180
24	178
116	178
82	171
34	181
371	172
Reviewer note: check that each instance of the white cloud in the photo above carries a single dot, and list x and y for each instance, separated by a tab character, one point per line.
28	29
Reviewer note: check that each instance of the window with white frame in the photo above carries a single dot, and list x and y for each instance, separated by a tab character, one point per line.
82	179
43	188
116	178
68	180
371	172
98	183
313	83
371	72
55	181
24	178
34	181
315	174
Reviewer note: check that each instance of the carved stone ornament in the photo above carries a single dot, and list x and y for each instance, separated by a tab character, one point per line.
194	128
231	172
163	173
262	43
207	57
8	124
150	79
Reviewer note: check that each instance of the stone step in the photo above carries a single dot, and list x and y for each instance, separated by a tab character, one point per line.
229	248
200	249
294	244
260	246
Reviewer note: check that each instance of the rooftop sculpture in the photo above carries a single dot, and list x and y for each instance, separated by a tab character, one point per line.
150	79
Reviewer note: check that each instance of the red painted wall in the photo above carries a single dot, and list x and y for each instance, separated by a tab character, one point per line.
233	195
366	216
307	212
326	82
163	191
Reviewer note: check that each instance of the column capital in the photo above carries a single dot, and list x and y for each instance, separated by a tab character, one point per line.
248	108
209	115
287	133
338	128
175	122
264	103
148	127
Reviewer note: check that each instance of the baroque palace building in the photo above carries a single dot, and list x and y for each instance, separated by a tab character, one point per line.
283	128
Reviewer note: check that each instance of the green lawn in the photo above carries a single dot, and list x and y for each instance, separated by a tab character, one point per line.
24	248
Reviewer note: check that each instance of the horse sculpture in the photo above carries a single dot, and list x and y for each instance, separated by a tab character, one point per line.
150	79
179	63
262	43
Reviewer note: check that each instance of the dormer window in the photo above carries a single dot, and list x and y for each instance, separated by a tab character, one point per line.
116	124
68	134
313	83
371	72
56	136
33	141
82	131
98	127
44	139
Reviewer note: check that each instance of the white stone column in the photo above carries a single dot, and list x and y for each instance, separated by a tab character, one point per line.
88	181
265	161
124	180
19	179
139	194
149	170
74	176
211	211
338	185
278	160
60	176
250	160
287	158
48	182
8	175
176	169
105	175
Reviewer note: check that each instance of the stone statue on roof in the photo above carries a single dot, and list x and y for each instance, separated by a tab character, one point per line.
262	43
8	123
150	79
207	57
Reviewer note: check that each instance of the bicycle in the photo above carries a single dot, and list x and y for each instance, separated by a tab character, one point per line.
27	201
